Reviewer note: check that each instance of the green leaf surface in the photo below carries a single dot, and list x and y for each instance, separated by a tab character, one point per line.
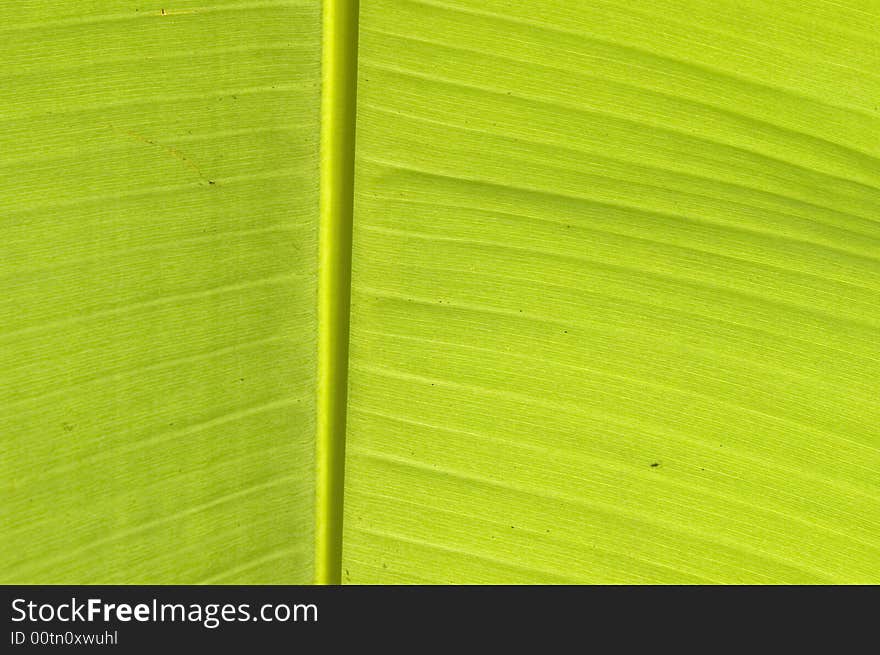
616	293
615	311
158	282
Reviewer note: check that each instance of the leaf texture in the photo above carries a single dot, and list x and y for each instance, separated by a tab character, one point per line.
616	293
158	266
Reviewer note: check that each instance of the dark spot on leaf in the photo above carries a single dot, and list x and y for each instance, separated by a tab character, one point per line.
655	465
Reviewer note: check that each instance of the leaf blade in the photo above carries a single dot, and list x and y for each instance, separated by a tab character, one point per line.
614	306
159	271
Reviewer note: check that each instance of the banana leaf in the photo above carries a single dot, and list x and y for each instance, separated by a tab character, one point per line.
158	275
615	302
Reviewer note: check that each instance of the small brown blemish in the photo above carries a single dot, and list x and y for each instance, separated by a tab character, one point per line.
171	151
655	465
177	12
68	427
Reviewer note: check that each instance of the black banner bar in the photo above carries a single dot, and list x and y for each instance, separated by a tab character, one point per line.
289	618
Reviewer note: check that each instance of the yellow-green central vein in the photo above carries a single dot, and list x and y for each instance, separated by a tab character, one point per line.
339	83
